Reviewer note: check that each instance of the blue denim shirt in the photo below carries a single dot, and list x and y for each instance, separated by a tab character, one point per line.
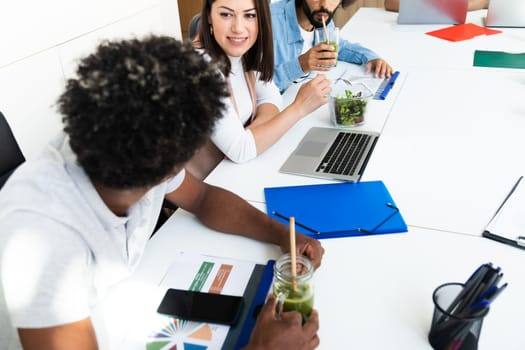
288	44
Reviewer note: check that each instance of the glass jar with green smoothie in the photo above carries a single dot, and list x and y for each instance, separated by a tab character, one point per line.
329	36
300	298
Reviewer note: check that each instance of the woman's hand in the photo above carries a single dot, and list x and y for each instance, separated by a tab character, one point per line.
312	95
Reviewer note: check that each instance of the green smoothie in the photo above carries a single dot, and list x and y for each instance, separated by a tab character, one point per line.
302	300
335	45
336	49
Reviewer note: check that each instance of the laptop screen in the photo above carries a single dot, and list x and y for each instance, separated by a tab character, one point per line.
506	13
432	11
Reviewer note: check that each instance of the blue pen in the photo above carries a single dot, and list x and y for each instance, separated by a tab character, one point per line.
488	293
389	85
493	296
474	309
480	310
473	280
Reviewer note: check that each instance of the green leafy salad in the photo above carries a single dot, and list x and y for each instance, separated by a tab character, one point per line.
350	109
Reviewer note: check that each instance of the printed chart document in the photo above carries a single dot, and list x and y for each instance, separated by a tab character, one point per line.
212	275
508	224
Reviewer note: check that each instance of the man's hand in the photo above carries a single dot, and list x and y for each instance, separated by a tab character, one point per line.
380	68
286	333
309	247
318	58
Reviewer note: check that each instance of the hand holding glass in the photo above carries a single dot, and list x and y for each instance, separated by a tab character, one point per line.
320	37
288	299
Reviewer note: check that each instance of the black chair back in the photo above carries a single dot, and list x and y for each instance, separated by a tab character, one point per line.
195	23
10	154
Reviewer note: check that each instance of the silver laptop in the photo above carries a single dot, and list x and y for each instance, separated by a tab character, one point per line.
506	13
340	154
432	11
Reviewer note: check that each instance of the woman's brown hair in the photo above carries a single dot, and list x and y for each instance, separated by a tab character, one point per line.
259	57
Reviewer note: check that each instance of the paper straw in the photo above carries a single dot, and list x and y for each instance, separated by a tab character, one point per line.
325	31
292	253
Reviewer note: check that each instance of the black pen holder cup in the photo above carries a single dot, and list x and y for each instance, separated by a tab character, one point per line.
450	332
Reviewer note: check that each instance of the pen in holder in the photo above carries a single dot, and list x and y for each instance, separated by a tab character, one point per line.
452	332
459	309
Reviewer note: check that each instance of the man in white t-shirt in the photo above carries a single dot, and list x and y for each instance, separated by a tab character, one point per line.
75	221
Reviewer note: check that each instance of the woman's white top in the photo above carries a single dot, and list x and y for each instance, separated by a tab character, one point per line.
230	136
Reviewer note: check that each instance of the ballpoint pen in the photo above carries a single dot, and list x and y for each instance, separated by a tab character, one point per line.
493	296
468	288
491	278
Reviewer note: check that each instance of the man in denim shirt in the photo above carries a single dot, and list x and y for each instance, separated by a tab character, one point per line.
293	23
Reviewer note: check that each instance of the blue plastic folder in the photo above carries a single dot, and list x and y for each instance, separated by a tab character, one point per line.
336	210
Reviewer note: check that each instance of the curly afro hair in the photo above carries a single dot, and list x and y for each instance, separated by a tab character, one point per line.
139	108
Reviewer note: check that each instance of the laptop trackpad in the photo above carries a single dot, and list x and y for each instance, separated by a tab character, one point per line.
311	149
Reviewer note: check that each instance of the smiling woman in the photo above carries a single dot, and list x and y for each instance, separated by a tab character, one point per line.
235	32
238	35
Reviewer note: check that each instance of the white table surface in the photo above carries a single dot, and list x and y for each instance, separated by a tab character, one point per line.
453	146
386	282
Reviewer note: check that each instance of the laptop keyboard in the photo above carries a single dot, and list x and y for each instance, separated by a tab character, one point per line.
344	154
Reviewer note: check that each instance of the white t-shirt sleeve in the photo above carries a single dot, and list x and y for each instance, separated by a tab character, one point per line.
230	136
267	92
45	275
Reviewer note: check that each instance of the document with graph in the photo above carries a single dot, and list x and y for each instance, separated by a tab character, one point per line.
210	274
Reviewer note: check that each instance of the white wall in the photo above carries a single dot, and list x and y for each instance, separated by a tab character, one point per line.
41	41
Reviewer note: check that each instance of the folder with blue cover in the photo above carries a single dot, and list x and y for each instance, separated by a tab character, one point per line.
254	296
336	210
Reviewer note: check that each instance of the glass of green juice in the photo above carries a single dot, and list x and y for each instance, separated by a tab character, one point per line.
329	36
302	298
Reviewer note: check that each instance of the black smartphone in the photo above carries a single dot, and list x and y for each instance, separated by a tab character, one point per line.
199	306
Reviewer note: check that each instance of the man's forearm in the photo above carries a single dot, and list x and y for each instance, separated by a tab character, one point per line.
224	211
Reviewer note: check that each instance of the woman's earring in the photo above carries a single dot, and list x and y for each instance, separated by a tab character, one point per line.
211	30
